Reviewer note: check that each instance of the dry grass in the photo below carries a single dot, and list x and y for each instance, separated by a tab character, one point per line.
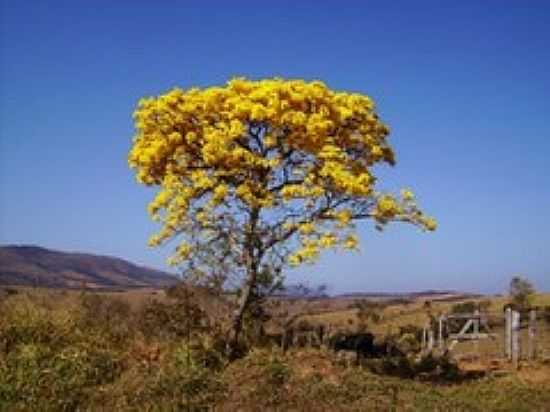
414	313
395	316
63	350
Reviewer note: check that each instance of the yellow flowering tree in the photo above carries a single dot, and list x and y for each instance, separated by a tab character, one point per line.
257	175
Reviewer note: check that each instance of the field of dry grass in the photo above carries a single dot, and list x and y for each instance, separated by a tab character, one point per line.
130	350
414	313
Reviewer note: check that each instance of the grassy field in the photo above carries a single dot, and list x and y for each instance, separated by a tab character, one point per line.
414	313
149	350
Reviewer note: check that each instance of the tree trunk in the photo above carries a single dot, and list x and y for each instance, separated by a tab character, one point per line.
244	301
252	264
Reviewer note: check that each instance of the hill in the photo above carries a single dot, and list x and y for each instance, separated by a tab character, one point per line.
432	295
37	266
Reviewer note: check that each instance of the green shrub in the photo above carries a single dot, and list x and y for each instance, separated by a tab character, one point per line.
408	343
63	379
181	382
271	374
47	359
26	322
171	320
109	317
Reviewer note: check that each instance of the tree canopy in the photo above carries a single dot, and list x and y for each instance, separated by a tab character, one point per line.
521	292
257	175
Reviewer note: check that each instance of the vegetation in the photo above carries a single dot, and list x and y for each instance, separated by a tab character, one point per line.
85	351
258	175
521	293
470	306
546	313
367	312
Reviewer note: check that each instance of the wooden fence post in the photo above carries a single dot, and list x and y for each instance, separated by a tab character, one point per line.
440	337
515	338
424	336
532	334
508	334
476	332
430	340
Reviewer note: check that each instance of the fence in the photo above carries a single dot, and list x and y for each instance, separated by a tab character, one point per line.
511	335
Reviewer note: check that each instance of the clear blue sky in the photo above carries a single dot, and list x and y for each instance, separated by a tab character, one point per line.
465	87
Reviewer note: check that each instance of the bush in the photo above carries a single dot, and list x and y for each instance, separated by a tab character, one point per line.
409	339
55	379
180	381
429	367
546	313
188	375
109	317
408	343
172	320
268	374
45	358
26	322
465	307
437	367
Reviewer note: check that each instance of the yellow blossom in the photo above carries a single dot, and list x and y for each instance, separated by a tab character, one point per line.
265	146
406	194
351	242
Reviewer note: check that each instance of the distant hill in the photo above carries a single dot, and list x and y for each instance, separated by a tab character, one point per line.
37	266
434	295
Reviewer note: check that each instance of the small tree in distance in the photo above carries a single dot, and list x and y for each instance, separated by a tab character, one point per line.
521	292
258	175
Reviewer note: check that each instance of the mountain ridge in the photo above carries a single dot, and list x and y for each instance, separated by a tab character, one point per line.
31	265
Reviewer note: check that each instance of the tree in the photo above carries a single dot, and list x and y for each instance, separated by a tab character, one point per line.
258	175
521	292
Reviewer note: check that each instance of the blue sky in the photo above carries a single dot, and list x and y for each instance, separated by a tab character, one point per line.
464	86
